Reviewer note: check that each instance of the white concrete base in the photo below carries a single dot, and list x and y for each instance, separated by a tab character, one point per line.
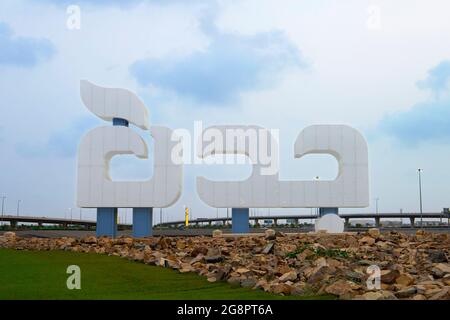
331	223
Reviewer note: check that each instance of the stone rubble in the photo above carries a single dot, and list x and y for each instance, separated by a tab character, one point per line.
412	266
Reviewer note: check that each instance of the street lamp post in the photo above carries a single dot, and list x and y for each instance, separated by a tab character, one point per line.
317	178
419	171
18	207
376	205
3	206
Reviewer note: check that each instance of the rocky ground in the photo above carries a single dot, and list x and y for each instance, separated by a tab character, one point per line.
412	266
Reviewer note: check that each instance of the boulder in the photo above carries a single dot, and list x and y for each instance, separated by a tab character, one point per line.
181	245
248	283
281	288
234	281
389	276
261	284
437	256
270	234
405	279
89	240
9	235
318	274
299	288
217	233
354	276
374	233
288	276
341	288
406	293
213	251
268	248
213	259
367	241
199	250
441	295
123	241
377	295
441	269
199	258
243	270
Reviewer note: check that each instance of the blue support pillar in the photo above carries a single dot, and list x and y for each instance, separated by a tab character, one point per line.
142	222
107	217
325	211
120	122
106	222
239	220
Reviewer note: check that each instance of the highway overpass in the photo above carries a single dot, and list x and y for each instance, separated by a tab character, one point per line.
413	217
40	221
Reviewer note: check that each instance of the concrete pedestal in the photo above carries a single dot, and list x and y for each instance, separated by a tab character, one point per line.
142	222
329	221
106	222
240	220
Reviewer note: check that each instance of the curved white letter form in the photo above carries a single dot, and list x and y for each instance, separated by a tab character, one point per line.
95	187
351	187
109	103
258	190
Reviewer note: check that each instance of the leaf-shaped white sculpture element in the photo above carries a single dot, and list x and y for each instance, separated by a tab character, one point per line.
109	103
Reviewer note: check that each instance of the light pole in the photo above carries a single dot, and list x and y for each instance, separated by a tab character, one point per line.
419	171
376	205
18	206
3	206
317	209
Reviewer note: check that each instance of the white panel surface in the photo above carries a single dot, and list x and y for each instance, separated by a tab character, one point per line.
109	103
227	193
95	189
350	189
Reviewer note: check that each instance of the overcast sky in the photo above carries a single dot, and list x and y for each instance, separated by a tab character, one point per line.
382	67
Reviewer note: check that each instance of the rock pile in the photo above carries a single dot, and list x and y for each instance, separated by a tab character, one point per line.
410	266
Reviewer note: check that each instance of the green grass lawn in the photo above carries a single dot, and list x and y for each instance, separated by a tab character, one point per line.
42	275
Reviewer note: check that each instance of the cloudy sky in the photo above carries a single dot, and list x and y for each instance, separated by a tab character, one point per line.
382	67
